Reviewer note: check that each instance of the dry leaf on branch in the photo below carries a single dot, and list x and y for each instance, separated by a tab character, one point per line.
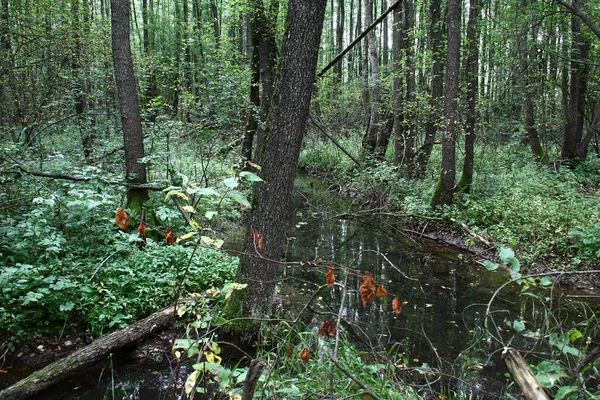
142	229
381	292
304	355
258	240
327	329
122	219
170	237
330	277
397	305
367	289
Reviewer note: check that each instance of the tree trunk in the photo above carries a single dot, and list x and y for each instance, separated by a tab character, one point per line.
89	355
444	191
573	130
397	85
472	67
339	33
409	72
370	141
128	99
265	238
522	375
435	109
253	117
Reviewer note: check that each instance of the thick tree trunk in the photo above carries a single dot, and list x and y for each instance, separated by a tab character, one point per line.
573	130
265	239
89	355
444	191
128	99
435	109
472	67
253	117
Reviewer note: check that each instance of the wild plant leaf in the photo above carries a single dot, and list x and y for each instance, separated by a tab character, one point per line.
240	199
250	176
330	276
122	219
367	289
231	183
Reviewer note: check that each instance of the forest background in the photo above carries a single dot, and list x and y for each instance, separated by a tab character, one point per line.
476	119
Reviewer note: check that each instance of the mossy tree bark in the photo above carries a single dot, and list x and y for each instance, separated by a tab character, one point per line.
278	157
444	191
128	98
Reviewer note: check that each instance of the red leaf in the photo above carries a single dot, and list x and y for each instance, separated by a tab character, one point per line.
304	355
396	305
122	219
170	237
367	289
142	229
327	329
290	351
259	245
330	277
381	292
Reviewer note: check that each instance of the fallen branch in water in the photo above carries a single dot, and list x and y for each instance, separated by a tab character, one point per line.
90	355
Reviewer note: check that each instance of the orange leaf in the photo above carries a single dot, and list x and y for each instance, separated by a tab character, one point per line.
327	329
381	292
330	277
142	229
367	289
290	351
260	244
122	219
304	355
170	237
257	238
396	305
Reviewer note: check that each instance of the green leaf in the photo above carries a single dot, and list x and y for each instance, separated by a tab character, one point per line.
203	191
506	255
490	266
241	199
231	183
574	334
546	281
250	176
210	214
518	325
67	306
565	391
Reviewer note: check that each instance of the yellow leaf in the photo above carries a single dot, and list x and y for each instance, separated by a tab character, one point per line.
189	209
181	311
212	358
216	243
194	224
191	382
186	236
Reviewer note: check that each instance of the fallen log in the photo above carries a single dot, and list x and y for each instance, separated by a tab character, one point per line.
91	354
522	375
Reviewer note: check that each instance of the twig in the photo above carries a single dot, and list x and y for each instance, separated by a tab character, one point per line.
355	379
100	265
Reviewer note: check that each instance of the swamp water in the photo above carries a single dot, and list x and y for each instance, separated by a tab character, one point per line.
444	294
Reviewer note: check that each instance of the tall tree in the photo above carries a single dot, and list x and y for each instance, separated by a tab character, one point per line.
471	69
278	158
444	191
573	140
437	80
128	100
372	133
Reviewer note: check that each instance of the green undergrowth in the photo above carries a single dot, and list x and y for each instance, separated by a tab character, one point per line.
65	266
546	213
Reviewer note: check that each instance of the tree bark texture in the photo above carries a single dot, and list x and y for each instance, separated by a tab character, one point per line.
89	355
373	129
409	73
437	81
573	131
444	192
278	156
522	375
471	67
397	85
133	137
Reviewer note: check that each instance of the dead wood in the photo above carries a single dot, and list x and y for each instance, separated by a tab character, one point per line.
522	375
90	355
